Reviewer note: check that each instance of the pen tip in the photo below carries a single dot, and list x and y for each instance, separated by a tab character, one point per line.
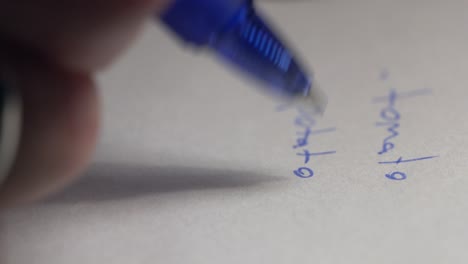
315	99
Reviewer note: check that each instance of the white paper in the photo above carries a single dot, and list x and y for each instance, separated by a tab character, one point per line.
196	166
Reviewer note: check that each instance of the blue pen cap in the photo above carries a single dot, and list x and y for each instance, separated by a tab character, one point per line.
240	36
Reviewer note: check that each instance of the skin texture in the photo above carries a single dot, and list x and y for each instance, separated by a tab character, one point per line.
51	50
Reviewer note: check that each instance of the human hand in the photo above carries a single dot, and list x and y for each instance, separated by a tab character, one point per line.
49	53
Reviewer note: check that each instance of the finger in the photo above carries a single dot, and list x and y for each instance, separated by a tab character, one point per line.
58	131
80	35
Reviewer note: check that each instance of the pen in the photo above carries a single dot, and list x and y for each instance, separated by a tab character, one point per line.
238	34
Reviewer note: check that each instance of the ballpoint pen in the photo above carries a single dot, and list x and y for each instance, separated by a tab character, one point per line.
238	34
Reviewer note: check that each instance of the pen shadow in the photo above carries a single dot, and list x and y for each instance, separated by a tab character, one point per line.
109	182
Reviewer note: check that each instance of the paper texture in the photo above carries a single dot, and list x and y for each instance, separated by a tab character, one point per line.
196	166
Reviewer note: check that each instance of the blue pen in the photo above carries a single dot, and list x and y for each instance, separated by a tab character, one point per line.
237	33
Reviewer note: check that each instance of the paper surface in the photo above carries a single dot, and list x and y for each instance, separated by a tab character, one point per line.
195	166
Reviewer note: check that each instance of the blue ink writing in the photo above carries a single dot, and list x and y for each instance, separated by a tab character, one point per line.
401	160
403	95
304	172
391	116
307	154
303	141
390	119
396	176
305	122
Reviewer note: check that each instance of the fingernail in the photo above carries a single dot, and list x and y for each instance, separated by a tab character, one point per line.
10	122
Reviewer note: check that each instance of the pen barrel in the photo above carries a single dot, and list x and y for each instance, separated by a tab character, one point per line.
197	21
249	44
234	30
